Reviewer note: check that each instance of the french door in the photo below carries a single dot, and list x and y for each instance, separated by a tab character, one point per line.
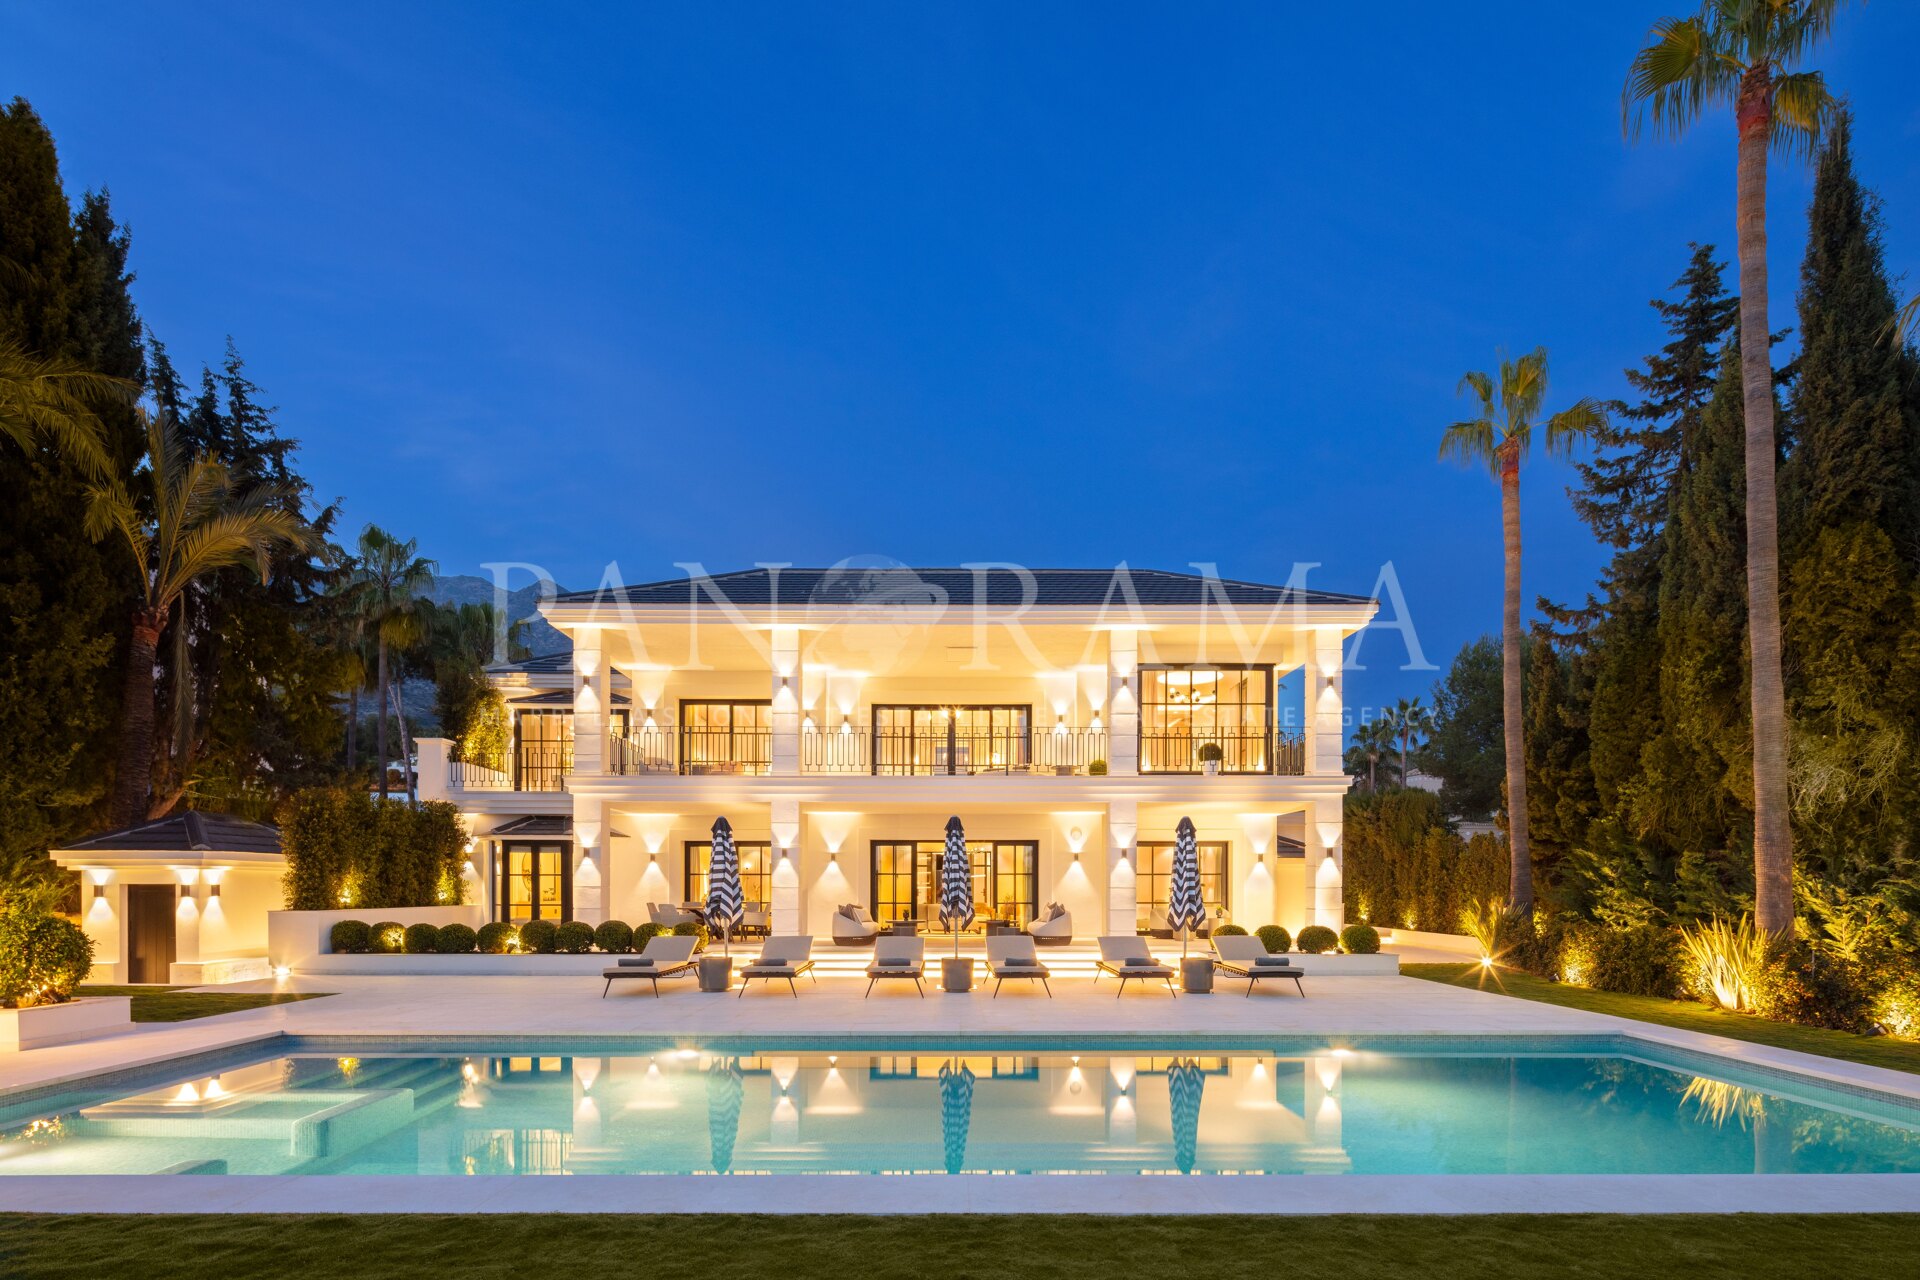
931	740
906	880
536	881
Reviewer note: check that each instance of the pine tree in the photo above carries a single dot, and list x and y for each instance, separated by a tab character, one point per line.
1559	773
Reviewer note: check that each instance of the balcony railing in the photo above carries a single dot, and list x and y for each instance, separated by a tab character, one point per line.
531	769
1275	751
693	751
904	753
469	775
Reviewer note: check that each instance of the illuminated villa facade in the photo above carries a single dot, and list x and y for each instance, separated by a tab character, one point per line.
837	718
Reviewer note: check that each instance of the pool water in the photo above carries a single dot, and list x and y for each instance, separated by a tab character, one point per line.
727	1109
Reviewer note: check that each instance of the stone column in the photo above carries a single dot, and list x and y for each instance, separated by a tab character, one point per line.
784	824
787	675
1323	709
435	776
1123	705
591	700
1326	858
589	859
1123	829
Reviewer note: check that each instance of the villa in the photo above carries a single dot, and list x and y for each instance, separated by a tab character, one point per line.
836	718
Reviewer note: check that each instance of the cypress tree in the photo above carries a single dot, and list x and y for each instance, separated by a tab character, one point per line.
1559	772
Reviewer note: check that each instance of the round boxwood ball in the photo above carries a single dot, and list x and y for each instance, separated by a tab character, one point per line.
1276	940
389	936
422	939
1316	938
689	929
573	937
1360	940
349	937
1230	931
614	936
457	939
539	937
497	937
645	933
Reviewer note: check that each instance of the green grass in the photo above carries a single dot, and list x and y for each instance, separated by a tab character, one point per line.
177	1004
246	1247
1689	1015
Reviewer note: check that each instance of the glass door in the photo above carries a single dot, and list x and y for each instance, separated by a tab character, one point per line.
931	739
906	880
534	881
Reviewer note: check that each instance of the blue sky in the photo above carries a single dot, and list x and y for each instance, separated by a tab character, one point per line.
1062	285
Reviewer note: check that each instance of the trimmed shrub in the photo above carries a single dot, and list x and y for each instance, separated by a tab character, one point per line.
645	933
457	939
422	939
345	848
540	937
1210	753
1096	768
1230	931
497	937
1276	940
349	937
1814	989
1640	961
573	938
1360	940
698	932
43	956
614	936
1316	938
388	938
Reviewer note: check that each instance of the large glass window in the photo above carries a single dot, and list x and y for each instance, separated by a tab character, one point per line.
929	739
535	883
726	737
906	880
756	871
1155	885
543	746
1186	709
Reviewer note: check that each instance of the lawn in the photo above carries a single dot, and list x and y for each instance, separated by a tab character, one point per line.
177	1004
1873	1051
245	1247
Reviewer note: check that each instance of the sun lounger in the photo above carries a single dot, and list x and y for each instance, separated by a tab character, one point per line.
1247	958
783	957
664	957
898	958
1013	957
1127	958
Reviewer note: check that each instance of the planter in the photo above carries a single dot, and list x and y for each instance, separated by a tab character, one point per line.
956	974
716	973
1196	975
46	1024
1210	767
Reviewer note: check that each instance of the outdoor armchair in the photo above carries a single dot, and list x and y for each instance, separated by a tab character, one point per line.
853	927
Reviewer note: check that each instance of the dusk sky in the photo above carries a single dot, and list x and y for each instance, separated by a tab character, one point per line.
1058	285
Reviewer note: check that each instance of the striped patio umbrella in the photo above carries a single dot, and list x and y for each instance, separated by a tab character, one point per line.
725	905
1185	1084
956	1111
1185	908
956	883
724	1092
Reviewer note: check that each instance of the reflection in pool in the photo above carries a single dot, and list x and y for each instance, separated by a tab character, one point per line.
696	1111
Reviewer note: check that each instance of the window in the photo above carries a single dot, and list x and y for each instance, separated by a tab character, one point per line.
756	871
1156	879
906	880
726	737
543	751
932	739
535	881
1184	708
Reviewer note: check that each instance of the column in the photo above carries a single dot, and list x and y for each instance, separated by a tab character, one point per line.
435	777
190	903
784	823
1123	706
589	859
591	699
787	675
1324	710
1123	829
1326	863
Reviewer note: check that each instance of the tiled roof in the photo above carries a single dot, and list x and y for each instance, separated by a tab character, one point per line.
552	826
963	588
187	832
544	664
559	698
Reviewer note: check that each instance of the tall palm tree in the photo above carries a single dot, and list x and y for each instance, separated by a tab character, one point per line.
1509	414
388	582
188	522
1741	53
1371	741
52	402
1409	720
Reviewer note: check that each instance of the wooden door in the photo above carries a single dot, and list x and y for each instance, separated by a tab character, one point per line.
150	909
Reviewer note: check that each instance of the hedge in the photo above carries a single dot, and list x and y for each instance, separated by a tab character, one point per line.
422	939
389	938
1276	939
345	848
539	936
349	937
457	939
497	937
573	938
1316	938
1406	868
614	937
43	956
1360	940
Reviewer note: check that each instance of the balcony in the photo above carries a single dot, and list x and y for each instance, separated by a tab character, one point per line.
902	753
543	768
689	751
1270	752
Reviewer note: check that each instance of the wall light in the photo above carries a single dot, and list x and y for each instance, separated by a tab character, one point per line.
213	890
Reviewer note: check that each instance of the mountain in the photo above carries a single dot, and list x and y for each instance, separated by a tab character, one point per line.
523	604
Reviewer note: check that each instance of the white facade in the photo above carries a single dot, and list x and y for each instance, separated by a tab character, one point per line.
838	721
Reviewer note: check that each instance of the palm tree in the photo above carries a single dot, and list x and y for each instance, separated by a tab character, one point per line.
1740	53
1372	740
190	522
1408	719
388	581
51	402
1499	437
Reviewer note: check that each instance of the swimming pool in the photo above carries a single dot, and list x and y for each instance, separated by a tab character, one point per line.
1589	1105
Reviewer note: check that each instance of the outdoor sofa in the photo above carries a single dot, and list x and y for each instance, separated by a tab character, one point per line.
853	927
1053	927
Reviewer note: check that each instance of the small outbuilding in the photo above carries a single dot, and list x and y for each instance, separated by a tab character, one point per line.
181	900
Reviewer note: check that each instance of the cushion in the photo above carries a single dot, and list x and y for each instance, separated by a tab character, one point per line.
894	962
845	909
1141	962
1272	962
1055	911
1020	962
636	962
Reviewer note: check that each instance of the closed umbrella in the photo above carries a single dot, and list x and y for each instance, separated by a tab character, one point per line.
956	1111
1185	1084
956	883
724	903
724	1092
1185	908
